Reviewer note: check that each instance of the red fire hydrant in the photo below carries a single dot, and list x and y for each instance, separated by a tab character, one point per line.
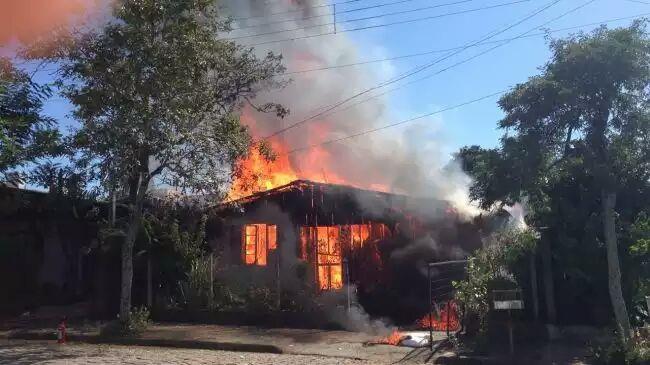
61	333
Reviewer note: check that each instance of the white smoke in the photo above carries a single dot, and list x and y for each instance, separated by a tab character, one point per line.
400	160
517	219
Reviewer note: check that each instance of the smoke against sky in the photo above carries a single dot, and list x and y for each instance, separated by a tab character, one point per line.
403	160
25	20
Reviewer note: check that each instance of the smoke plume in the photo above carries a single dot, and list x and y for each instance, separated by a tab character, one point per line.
25	20
398	161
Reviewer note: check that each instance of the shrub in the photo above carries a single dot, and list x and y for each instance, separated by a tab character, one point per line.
489	266
134	325
260	299
635	352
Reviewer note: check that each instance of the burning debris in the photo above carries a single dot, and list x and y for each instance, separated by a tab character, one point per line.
446	318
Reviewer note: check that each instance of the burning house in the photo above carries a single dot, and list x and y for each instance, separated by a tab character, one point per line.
371	240
332	208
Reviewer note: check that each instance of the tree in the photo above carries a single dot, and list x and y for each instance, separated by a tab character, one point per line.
587	108
157	93
25	133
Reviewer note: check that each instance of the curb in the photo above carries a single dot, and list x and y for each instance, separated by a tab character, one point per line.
157	342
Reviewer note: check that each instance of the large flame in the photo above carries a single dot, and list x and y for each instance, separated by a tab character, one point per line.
255	172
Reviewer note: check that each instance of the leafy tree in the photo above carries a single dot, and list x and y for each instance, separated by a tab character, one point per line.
25	133
639	249
587	108
157	94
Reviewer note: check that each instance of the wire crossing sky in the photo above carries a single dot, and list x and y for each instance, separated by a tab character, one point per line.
388	51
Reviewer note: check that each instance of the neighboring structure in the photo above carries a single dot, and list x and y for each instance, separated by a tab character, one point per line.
44	250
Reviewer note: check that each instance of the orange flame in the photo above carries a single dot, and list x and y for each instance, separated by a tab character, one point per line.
446	319
255	173
393	339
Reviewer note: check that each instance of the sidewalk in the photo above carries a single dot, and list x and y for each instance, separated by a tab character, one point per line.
341	344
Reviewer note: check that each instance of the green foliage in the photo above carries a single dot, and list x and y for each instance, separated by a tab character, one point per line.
62	181
134	325
639	272
640	236
182	254
578	131
635	352
490	267
25	133
156	83
259	299
157	95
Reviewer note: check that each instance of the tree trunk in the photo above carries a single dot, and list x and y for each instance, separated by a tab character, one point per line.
127	250
613	264
549	286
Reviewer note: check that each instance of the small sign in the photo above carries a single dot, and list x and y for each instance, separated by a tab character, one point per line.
507	300
508	304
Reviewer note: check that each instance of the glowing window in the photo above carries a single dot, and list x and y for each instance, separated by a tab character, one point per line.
257	239
330	273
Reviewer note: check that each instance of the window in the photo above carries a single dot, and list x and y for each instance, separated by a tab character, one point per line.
257	239
330	273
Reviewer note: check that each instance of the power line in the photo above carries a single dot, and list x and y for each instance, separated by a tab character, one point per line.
522	35
438	111
422	116
356	19
639	2
414	70
428	76
325	15
387	24
424	53
297	11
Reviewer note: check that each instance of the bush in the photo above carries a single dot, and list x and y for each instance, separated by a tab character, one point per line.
635	352
134	325
491	268
260	299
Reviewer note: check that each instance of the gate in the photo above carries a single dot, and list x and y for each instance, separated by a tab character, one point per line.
443	310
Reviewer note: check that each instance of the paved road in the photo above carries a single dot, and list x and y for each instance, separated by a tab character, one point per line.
32	352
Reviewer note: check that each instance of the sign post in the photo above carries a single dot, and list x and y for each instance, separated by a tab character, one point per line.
508	300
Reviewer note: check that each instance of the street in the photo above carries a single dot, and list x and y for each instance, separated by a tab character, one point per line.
36	352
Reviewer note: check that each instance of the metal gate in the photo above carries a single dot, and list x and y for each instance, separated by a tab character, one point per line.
441	292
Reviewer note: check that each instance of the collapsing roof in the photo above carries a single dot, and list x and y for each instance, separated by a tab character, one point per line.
311	202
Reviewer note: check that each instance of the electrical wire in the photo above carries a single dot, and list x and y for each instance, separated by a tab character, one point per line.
297	11
386	24
401	12
423	115
413	71
424	53
419	54
325	15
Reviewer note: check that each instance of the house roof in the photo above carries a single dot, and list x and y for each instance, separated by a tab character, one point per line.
303	184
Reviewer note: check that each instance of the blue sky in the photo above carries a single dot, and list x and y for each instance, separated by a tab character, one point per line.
494	71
